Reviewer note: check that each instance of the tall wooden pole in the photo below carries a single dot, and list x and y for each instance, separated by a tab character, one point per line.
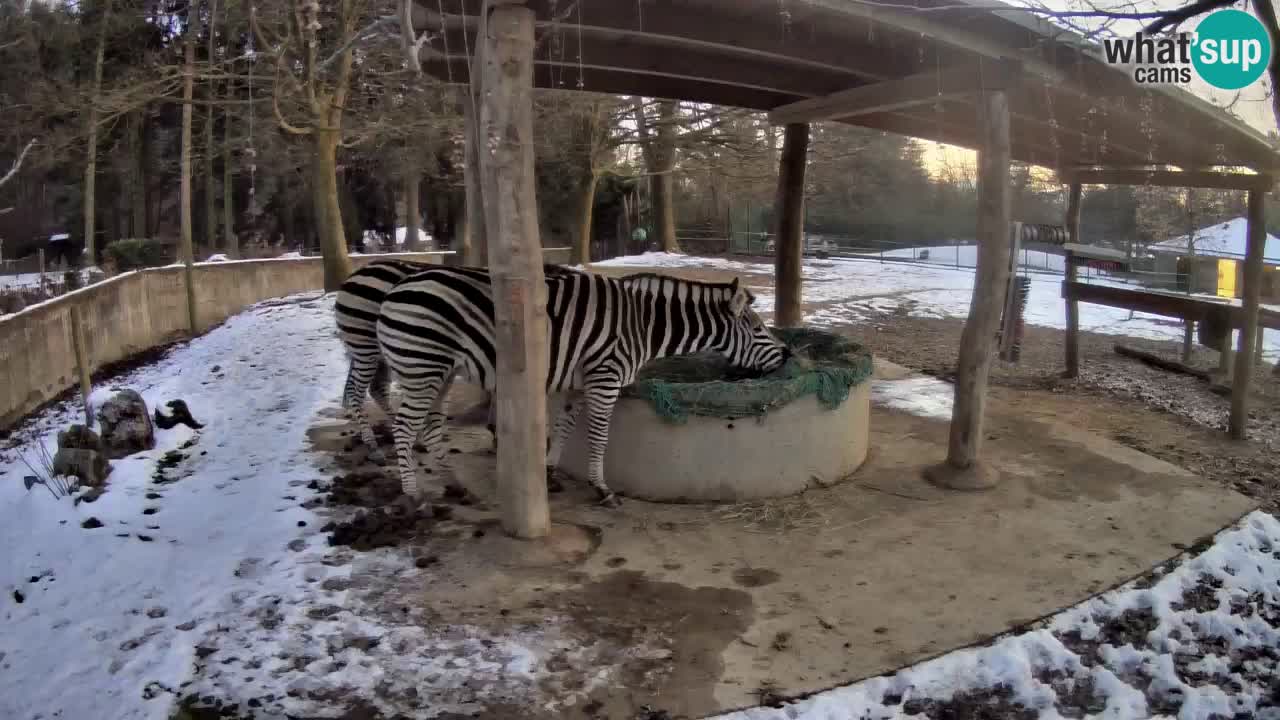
1074	199
1250	299
789	246
515	260
977	344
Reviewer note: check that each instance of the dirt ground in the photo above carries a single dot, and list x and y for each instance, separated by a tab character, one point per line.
1176	418
660	611
1173	417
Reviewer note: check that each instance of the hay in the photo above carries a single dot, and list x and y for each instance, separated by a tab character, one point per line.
822	364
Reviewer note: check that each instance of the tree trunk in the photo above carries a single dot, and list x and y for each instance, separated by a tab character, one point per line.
515	255
90	256
333	242
789	257
977	343
1072	346
188	93
1250	299
230	241
664	211
137	131
412	216
475	244
210	190
586	208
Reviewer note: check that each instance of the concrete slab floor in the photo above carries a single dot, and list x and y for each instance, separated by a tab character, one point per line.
700	609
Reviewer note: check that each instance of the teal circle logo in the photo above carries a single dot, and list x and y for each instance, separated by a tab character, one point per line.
1232	49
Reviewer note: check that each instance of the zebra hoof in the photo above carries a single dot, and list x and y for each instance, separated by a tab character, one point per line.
553	481
611	501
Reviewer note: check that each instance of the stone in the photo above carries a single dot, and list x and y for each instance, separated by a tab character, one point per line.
126	425
181	415
79	437
87	465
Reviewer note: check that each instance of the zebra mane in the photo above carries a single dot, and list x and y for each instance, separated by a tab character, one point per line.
672	278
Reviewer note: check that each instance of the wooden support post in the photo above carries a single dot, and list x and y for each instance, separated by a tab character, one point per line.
81	349
1074	198
789	233
1250	299
977	343
515	259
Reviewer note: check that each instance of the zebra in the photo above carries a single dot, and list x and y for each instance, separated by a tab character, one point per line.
356	312
439	324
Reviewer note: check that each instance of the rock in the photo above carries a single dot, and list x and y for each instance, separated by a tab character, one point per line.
181	415
126	425
88	465
79	437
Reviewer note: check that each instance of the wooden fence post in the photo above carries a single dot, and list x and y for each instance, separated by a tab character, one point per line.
977	344
789	236
1074	200
505	132
1250	300
81	349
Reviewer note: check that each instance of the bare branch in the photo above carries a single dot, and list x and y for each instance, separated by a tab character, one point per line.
1177	17
17	164
364	34
408	43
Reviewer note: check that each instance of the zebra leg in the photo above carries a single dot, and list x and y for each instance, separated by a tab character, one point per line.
601	395
359	379
434	441
416	405
565	421
492	424
380	388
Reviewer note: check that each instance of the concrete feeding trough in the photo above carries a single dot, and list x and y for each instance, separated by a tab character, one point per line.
691	429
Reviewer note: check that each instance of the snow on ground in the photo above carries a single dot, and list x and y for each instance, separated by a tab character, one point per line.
848	291
32	280
204	544
924	396
1201	643
372	238
967	256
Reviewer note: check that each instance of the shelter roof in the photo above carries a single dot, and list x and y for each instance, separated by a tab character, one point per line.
1069	108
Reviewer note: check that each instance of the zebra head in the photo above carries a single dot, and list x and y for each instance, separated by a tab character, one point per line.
749	344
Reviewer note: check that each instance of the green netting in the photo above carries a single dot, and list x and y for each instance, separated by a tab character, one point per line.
823	364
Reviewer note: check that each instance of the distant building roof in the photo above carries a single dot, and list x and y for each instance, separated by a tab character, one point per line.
1227	240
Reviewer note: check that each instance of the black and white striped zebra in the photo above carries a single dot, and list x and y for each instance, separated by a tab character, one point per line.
440	323
356	312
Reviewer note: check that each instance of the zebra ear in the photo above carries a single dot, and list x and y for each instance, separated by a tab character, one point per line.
740	298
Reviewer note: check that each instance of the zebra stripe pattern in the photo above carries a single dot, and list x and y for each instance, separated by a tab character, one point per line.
356	312
440	323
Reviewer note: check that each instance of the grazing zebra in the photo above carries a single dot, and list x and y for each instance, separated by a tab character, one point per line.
356	312
440	323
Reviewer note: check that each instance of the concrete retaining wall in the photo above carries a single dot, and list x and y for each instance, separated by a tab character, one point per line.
141	310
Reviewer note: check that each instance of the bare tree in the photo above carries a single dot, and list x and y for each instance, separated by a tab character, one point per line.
322	91
91	145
